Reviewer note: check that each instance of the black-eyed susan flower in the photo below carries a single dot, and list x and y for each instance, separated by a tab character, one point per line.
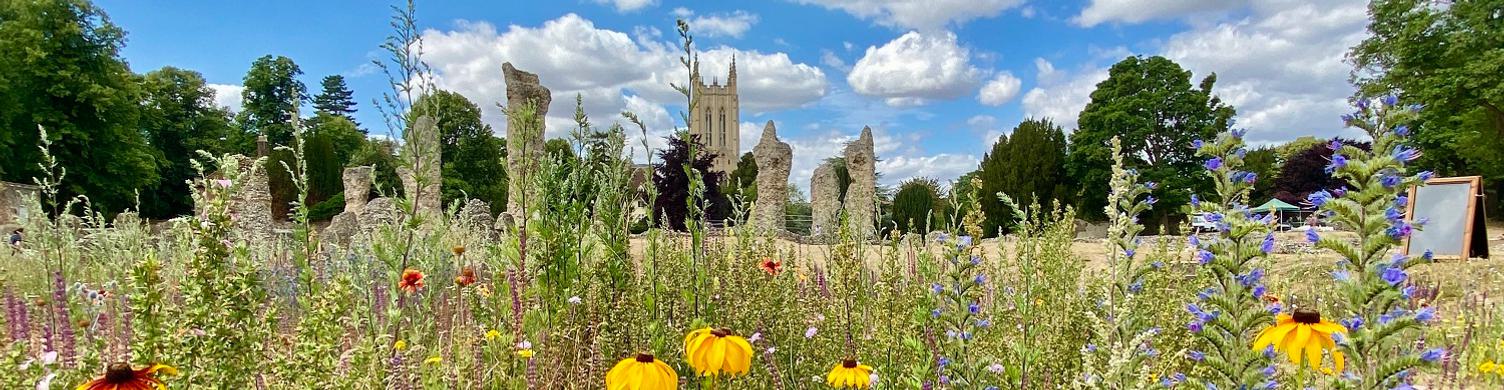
642	372
717	351
850	374
1303	334
120	376
412	280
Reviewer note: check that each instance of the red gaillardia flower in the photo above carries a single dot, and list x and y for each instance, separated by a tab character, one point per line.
772	267
411	281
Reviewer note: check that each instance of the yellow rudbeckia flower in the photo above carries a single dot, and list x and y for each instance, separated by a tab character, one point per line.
642	372
717	351
1303	334
850	374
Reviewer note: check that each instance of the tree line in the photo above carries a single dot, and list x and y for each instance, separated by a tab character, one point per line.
126	140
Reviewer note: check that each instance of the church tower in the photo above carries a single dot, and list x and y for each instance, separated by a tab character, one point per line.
716	119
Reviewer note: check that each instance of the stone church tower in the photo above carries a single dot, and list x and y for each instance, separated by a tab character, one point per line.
717	119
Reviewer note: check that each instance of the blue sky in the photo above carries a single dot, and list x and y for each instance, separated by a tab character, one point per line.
937	80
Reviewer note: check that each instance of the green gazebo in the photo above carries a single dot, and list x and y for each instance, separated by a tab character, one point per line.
1278	208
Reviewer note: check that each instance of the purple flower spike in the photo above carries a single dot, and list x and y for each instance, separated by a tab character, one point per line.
1394	276
1214	163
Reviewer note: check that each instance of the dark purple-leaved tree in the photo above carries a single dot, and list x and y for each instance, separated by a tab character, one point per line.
1305	172
672	183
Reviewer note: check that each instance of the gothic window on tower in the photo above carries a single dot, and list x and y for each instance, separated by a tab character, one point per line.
722	133
705	132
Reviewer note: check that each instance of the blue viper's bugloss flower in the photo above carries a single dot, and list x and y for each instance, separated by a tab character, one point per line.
1398	260
1151	200
1428	255
1129	253
1196	356
1195	201
1433	355
1402	130
1269	352
981	280
1214	163
1197	143
1363	104
983	323
1268	371
1157	265
1250	178
1391	100
1401	201
1425	314
1239	133
1341	275
974	308
1251	278
1151	185
933	313
963	241
1338	161
1425	175
1335	145
1311	235
1393	275
1205	257
1206	293
1268	245
937	288
1389	181
1194	326
976	260
1404	153
1407	292
944	361
1136	287
1399	230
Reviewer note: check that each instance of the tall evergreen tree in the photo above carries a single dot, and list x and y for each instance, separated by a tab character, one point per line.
62	70
179	118
1028	166
336	99
917	205
272	92
1151	105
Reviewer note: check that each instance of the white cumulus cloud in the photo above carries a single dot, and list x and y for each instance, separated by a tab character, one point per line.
926	15
1059	96
1137	11
1002	89
608	69
627	5
1281	67
227	96
914	68
733	24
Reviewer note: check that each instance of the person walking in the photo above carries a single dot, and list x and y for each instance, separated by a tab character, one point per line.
15	240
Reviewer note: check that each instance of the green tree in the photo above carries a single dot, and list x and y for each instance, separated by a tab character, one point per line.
179	118
1028	165
1265	163
62	70
917	205
336	99
1152	106
1451	59
271	96
472	155
743	180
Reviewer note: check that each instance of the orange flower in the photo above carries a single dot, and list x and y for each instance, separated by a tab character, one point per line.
466	277
120	376
772	267
411	281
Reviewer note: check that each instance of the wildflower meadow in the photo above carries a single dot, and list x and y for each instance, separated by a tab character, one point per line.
583	290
